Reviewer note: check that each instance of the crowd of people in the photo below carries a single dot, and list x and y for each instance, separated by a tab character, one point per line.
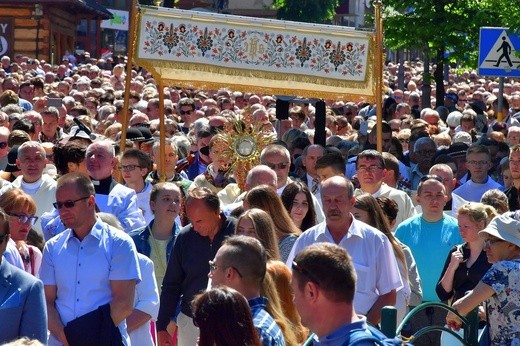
108	236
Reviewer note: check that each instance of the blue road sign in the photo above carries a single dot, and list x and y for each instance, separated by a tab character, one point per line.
497	53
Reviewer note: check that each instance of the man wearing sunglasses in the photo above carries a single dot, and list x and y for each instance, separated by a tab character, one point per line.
93	266
22	303
278	158
186	111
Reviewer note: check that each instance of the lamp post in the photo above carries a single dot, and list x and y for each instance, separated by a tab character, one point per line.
37	15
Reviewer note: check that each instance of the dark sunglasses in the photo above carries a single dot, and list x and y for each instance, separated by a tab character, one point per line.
298	268
3	145
141	125
68	203
181	112
275	166
431	176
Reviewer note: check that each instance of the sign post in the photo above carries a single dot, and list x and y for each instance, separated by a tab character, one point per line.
497	56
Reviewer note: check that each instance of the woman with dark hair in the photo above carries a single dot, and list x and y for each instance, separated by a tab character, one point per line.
265	198
297	200
224	318
69	157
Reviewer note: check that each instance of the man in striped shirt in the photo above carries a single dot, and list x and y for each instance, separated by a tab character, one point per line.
241	264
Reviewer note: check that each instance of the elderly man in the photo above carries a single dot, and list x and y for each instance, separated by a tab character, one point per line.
112	197
424	150
89	271
186	274
41	187
371	251
310	155
22	302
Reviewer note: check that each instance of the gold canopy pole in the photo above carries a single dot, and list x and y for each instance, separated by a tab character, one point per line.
379	73
130	56
162	132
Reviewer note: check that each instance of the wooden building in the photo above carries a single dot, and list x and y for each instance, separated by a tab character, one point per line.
44	29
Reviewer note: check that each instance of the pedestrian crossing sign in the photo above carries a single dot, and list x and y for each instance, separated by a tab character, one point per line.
498	53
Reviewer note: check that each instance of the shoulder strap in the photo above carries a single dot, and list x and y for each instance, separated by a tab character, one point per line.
31	256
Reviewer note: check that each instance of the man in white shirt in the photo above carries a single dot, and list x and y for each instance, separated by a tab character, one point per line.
478	161
370	249
41	187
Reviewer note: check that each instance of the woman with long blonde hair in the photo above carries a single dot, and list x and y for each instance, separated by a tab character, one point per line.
265	198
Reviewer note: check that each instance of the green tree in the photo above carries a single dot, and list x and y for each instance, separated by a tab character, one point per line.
438	26
309	11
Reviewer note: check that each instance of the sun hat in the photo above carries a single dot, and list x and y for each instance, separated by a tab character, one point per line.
505	227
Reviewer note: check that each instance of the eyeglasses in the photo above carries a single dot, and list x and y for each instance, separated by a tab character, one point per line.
68	203
3	237
3	145
370	169
213	266
129	168
298	268
22	218
276	166
181	112
478	163
429	177
489	242
404	140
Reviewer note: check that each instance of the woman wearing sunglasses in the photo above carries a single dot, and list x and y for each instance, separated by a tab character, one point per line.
20	209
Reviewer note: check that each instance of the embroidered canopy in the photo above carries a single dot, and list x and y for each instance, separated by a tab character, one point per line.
210	51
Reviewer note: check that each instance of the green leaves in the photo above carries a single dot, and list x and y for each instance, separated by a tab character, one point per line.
309	11
452	25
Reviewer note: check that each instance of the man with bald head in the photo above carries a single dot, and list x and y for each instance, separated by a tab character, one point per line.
371	251
258	175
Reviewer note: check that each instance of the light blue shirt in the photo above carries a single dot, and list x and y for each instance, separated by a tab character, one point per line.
430	243
82	270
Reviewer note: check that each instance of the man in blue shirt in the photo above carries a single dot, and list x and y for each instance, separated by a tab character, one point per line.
241	264
324	283
90	267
